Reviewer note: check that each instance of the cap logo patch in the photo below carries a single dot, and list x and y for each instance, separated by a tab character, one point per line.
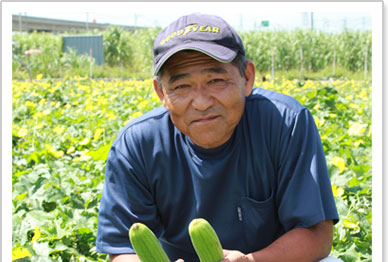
191	28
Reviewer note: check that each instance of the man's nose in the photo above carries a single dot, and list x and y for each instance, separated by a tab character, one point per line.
202	99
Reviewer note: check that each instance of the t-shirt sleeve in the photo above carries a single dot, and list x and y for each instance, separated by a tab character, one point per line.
304	195
126	199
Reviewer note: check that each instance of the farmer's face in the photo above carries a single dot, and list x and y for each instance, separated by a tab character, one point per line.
205	97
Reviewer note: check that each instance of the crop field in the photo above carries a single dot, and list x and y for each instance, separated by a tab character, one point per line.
129	54
62	131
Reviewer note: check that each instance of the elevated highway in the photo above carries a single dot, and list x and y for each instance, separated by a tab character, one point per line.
29	24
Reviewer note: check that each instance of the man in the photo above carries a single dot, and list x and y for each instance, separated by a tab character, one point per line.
250	161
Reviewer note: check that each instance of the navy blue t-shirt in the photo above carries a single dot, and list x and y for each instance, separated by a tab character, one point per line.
269	177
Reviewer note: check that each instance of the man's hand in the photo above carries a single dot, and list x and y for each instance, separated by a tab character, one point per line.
234	256
299	244
124	258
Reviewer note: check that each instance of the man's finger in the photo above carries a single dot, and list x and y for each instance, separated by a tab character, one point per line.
226	252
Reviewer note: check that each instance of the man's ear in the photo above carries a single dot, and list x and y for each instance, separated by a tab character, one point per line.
249	77
158	90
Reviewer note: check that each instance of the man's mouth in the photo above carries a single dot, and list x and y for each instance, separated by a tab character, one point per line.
206	119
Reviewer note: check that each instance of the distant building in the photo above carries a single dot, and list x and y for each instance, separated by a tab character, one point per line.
86	44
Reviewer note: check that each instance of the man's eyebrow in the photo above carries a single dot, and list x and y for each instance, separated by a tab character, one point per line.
175	78
217	70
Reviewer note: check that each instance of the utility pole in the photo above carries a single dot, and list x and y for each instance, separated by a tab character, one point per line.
87	21
135	17
363	23
311	21
345	24
20	22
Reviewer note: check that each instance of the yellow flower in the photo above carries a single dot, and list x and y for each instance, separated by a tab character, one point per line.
83	156
102	101
353	106
369	132
85	141
46	112
42	102
70	150
98	133
349	98
22	132
39	125
364	95
59	129
136	114
20	252
337	191
339	162
351	225
358	143
319	122
111	116
57	154
39	76
154	97
36	234
143	105
30	104
356	129
53	151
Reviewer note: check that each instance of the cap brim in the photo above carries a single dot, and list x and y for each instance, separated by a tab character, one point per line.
217	52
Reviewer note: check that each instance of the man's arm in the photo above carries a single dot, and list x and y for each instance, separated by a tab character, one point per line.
124	258
299	244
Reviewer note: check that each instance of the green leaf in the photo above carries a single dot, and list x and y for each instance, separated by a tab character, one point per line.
49	206
101	153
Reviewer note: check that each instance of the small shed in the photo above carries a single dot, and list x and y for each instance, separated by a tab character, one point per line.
86	45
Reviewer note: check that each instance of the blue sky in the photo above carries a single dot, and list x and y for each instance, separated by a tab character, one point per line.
242	16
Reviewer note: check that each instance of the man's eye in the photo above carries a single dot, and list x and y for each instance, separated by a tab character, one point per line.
181	87
216	80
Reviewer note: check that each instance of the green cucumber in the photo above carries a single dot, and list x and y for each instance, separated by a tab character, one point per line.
146	245
205	241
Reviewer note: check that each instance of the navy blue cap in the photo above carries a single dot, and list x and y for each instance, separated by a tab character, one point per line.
208	34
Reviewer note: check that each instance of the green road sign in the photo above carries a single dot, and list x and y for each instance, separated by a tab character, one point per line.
265	23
